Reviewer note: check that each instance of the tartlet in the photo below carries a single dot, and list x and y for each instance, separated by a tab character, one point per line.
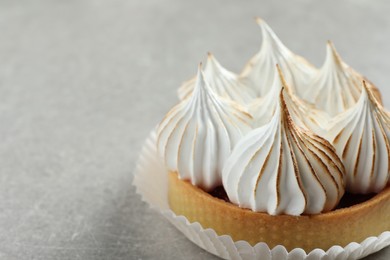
338	227
275	154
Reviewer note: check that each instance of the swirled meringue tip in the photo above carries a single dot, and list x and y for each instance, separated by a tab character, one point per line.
336	87
223	82
186	89
197	135
384	116
213	66
259	20
281	168
332	54
282	81
260	70
269	36
361	137
373	97
305	114
262	109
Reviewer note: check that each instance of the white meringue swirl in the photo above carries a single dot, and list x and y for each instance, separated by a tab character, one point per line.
336	87
263	108
260	71
361	137
196	136
223	82
304	114
281	168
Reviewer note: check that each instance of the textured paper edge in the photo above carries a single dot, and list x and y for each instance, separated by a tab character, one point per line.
150	180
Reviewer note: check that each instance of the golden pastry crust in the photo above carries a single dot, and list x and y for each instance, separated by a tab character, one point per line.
338	227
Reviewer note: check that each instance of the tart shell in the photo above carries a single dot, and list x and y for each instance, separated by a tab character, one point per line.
338	227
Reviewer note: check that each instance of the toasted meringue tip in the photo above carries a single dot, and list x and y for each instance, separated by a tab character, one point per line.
279	70
199	75
282	102
211	58
331	49
282	79
201	84
259	20
281	95
370	94
366	88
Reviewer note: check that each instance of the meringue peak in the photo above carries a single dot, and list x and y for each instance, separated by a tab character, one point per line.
200	83
263	108
213	66
260	70
286	116
332	56
295	112
304	114
259	20
376	106
269	37
201	87
283	81
361	136
223	82
371	95
336	87
281	168
197	135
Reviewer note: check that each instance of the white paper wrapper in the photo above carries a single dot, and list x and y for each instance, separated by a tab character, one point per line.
151	182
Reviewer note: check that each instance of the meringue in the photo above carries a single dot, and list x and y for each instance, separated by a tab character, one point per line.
262	109
281	168
304	114
196	136
336	87
223	82
361	137
260	72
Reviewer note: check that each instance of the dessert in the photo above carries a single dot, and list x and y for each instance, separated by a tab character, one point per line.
260	70
284	153
281	168
223	82
361	138
196	136
336	77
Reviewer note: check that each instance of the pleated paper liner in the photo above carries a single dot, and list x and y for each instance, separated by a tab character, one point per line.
151	182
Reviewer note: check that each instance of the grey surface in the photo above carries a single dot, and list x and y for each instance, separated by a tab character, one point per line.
83	82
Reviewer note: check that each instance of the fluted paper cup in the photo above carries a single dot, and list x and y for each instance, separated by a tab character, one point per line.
151	182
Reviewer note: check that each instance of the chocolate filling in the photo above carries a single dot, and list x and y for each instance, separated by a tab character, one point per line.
350	199
220	193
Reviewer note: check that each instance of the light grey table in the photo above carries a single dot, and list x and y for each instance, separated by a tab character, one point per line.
83	82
